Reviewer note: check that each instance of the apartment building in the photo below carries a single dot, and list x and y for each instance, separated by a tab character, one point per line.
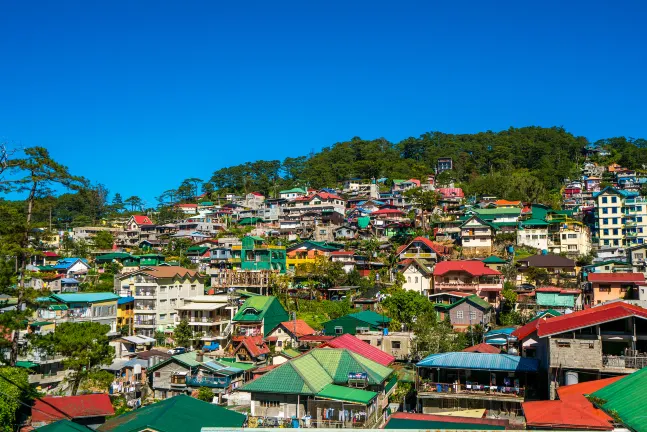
158	292
79	307
620	218
210	317
477	237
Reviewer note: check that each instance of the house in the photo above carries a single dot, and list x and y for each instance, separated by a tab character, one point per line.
345	232
322	384
471	380
253	200
183	373
281	357
417	276
346	258
187	208
423	248
180	413
559	269
444	164
210	317
79	307
256	254
624	400
71	266
289	332
363	346
533	233
604	287
494	262
88	410
573	411
356	323
477	236
258	316
484	348
293	193
558	298
125	314
471	277
249	349
319	202
63	285
136	222
405	420
609	339
466	312
158	291
307	253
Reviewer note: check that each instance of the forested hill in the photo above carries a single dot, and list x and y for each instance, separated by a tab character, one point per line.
527	163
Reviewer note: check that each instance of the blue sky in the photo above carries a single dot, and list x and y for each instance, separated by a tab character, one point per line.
140	95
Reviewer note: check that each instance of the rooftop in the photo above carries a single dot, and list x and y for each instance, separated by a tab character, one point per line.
360	347
48	409
480	361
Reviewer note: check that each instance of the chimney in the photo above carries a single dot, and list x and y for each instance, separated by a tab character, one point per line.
199	356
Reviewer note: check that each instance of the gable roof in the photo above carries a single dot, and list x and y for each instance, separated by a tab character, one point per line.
417	263
167	271
298	327
472	298
371	317
254	345
310	373
483	348
46	409
179	413
556	414
358	346
403	420
142	220
474	268
480	361
254	308
63	426
493	259
436	247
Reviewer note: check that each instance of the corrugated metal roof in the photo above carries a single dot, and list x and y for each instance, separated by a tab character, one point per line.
588	317
628	398
401	420
480	361
332	391
557	414
362	348
85	297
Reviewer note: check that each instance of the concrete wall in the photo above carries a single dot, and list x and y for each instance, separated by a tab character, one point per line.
575	353
163	381
386	343
283	406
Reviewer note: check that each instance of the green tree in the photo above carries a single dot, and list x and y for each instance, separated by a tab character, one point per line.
183	335
425	200
84	346
537	275
405	306
205	394
14	389
135	203
103	240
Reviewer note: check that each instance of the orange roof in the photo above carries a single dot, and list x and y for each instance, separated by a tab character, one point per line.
142	220
302	327
561	415
483	348
585	388
503	202
254	345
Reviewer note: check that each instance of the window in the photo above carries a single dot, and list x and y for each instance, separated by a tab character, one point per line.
563	344
572	247
614	210
339	330
604	288
614	199
563	236
409	279
279	343
459	314
472	316
395	344
572	236
638	256
162	316
615	231
270	404
158	374
605	210
162	289
416	279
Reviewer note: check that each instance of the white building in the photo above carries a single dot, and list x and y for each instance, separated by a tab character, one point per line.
533	233
209	316
477	237
158	292
621	218
418	277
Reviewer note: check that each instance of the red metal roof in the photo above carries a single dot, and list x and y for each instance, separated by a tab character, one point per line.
254	345
526	330
316	338
142	220
436	247
448	419
562	415
302	328
483	348
587	317
322	195
616	277
386	211
360	347
475	268
585	388
341	253
557	290
91	405
51	254
451	192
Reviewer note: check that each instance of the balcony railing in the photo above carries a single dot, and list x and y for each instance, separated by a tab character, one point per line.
213	382
624	362
417	255
473	389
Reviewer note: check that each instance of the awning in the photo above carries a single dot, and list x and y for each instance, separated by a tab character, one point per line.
26	364
332	391
202	306
139	340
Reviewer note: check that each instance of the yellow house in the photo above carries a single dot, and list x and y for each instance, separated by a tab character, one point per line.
125	313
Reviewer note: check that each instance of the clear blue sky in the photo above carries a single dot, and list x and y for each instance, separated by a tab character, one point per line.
139	95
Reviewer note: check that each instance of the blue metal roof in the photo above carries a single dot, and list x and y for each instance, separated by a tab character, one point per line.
85	297
124	300
501	331
480	361
69	280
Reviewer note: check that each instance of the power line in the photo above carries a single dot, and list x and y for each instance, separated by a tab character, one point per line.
37	397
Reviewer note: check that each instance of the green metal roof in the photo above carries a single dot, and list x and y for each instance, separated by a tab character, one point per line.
249	221
63	426
332	391
40	323
254	308
311	372
493	259
85	297
113	256
626	397
26	364
57	307
551	312
293	190
474	299
371	317
179	413
534	222
400	423
480	361
292	353
497	211
234	364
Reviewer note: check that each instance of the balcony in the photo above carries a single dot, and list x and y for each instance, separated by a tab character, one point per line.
144	293
417	255
178	380
623	362
212	382
471	391
144	322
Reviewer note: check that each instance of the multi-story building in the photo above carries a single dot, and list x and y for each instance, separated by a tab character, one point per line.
472	277
477	237
80	307
258	316
256	254
317	202
604	287
533	233
210	318
417	276
606	340
620	218
125	314
88	233
568	236
158	291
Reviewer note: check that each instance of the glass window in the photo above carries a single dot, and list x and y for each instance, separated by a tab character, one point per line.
605	210
614	199
604	200
459	314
